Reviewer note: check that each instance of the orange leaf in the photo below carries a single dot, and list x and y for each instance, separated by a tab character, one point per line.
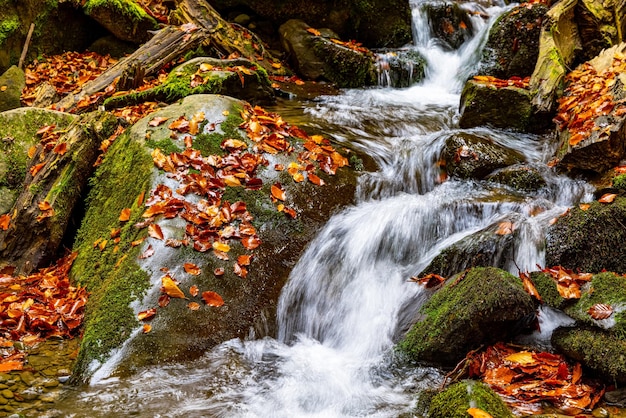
36	168
315	179
584	206
278	192
251	242
313	31
194	306
60	148
170	288
600	311
607	198
478	413
505	228
10	366
31	151
244	259
5	220
529	286
154	230
430	280
193	290
147	328
45	205
192	269
219	271
212	299
147	314
124	215
140	198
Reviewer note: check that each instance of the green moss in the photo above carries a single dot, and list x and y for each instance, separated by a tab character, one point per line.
116	184
458	398
8	26
619	182
127	8
345	67
209	143
167	145
16	165
546	287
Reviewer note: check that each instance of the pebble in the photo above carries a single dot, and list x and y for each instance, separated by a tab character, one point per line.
3	401
6	393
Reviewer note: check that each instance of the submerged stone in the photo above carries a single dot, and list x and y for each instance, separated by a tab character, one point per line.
520	177
400	68
449	23
477	307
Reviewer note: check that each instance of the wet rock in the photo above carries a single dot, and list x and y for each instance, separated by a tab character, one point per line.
596	27
455	400
471	156
474	308
317	58
591	240
45	95
449	23
400	68
616	397
512	47
123	18
113	46
519	177
595	349
118	277
12	82
483	248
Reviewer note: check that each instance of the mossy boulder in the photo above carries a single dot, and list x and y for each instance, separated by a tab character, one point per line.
316	57
477	307
238	78
122	284
455	400
522	177
595	349
450	24
591	240
18	129
504	107
400	68
473	156
512	47
59	26
12	82
484	248
125	19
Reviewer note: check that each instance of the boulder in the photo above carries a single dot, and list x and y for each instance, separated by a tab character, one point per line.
471	156
316	57
590	240
455	400
474	308
596	27
12	82
500	107
400	68
512	47
238	78
18	129
487	247
595	349
125	270
522	177
125	19
449	23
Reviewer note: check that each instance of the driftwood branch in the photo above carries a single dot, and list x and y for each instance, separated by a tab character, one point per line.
26	44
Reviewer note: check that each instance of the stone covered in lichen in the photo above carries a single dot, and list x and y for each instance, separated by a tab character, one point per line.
455	400
11	84
474	308
125	19
591	240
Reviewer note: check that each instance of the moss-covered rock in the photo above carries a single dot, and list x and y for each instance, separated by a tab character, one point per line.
18	129
123	18
315	57
455	400
506	107
449	23
471	156
400	68
591	240
595	349
520	177
121	284
237	78
12	81
477	307
512	47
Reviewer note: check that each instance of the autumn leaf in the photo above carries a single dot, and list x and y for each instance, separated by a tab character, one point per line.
429	281
477	412
10	366
5	221
147	314
181	125
529	286
124	215
600	311
193	290
36	168
170	288
149	252
212	299
505	228
584	206
146	328
220	246
607	198
315	179
155	231
278	192
192	269
523	357
313	31
60	148
244	259
193	306
157	121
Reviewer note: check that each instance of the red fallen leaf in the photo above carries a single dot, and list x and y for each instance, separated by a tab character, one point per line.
154	230
607	198
5	221
219	271
251	242
164	300
193	306
212	299
430	280
278	192
315	179
291	212
44	129
600	311
192	269
529	286
157	121
240	271
244	259
193	290
60	148
36	168
147	328
147	314
10	366
124	215
149	252
170	288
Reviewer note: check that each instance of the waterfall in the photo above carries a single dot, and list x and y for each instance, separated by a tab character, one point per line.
348	297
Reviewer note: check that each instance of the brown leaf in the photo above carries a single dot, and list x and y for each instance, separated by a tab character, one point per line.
192	269
430	280
251	242
244	259
219	271
157	121
505	228
607	198
193	306
36	168
193	290
529	286
60	148
170	288
600	311
315	179
155	231
124	215
149	252
278	192
212	299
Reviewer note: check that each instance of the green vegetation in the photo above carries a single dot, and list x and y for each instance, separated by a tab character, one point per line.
8	26
126	8
209	143
619	182
454	401
345	67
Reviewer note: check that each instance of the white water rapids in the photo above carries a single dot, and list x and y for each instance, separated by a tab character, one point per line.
348	297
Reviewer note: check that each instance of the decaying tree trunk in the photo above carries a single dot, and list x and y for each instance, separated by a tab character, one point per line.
199	24
43	210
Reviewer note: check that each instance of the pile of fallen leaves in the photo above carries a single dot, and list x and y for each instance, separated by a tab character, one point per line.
37	307
351	44
590	94
525	379
514	81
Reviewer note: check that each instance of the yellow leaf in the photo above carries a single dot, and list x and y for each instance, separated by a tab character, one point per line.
478	413
170	288
220	246
523	358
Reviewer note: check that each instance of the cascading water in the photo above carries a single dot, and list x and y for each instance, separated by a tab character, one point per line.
348	297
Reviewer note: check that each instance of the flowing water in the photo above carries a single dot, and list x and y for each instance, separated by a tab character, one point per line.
348	297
